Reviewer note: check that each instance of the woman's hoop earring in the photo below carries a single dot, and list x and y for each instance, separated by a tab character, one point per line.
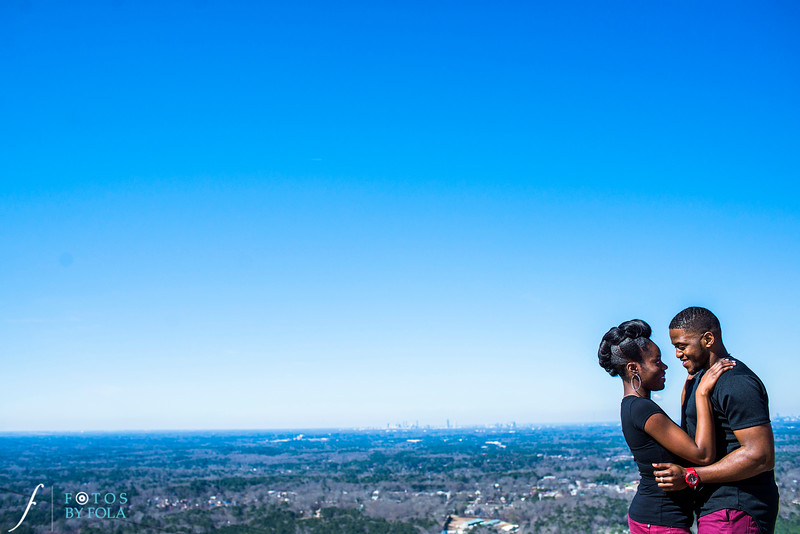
637	387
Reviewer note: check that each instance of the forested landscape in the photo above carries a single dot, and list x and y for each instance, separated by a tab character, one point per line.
393	481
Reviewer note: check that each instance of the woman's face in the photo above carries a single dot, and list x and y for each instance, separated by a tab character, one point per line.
652	370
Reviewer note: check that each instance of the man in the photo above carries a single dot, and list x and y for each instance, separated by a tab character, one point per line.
737	494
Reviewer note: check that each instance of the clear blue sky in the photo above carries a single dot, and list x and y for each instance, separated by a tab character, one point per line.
313	214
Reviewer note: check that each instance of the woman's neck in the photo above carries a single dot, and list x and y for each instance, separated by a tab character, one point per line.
628	391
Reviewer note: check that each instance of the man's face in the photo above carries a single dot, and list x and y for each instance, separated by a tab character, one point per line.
690	350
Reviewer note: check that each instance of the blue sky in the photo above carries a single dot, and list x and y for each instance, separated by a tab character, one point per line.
255	215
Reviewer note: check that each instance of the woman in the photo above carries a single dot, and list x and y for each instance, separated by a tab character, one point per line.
627	351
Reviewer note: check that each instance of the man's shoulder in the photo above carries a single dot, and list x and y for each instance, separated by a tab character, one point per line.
742	397
739	374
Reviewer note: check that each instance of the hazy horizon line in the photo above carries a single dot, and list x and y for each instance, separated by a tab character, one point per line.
496	426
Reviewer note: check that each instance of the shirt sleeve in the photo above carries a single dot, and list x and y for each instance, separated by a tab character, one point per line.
743	400
641	410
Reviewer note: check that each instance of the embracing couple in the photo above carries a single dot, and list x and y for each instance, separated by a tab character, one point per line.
719	463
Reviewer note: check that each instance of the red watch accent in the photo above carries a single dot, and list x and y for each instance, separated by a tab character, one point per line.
691	477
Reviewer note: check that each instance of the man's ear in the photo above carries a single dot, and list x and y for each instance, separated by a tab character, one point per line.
708	339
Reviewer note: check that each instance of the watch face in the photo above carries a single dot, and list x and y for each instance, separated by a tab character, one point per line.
692	479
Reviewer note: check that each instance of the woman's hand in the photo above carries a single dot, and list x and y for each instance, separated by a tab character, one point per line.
711	376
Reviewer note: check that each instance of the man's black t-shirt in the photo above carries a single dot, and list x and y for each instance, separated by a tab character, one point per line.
739	400
651	505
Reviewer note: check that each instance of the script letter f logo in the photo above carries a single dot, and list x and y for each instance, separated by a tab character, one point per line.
31	502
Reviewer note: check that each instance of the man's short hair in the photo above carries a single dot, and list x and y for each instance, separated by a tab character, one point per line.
695	319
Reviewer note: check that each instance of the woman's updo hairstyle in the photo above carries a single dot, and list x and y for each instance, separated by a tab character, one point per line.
623	344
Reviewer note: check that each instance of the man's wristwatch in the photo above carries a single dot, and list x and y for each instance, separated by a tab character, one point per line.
691	477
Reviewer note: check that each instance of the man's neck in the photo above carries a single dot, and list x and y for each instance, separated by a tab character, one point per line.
719	353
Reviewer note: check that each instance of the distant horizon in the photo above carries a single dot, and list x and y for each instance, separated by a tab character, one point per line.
291	430
287	430
489	426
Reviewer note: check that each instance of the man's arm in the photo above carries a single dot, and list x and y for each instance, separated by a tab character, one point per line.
687	385
756	455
